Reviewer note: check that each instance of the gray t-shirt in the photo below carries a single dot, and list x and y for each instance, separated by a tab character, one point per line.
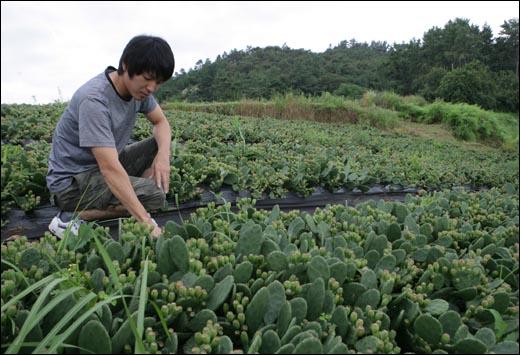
96	116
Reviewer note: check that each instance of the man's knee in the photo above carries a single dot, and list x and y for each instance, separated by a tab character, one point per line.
154	200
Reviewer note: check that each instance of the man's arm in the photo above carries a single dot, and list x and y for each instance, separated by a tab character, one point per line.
119	184
162	133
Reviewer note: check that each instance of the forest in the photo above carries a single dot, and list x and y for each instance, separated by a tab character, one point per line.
459	63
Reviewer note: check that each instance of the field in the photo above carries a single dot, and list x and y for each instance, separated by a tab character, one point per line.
436	272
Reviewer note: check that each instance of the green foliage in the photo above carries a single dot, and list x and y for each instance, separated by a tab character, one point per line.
440	65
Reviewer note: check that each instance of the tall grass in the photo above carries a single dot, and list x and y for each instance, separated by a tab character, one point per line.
383	110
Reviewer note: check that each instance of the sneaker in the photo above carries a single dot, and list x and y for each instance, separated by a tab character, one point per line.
64	221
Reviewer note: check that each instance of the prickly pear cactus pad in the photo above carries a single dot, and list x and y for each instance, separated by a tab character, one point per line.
437	273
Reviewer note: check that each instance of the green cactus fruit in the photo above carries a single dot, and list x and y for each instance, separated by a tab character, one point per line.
115	251
276	301
315	298
318	268
243	272
370	297
367	345
277	261
201	320
250	239
256	310
179	253
429	329
220	292
299	308
340	319
470	346
270	342
94	339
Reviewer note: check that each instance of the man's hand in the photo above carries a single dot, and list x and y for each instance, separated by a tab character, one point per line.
156	232
161	171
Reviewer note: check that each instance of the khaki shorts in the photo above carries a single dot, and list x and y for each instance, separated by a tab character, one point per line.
89	190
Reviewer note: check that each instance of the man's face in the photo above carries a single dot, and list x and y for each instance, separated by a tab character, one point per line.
140	85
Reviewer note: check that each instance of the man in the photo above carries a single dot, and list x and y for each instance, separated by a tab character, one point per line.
93	172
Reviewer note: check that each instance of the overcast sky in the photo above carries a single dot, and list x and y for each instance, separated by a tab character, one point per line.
49	49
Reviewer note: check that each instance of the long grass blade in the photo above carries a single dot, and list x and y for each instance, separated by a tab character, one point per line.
49	339
35	315
139	346
59	340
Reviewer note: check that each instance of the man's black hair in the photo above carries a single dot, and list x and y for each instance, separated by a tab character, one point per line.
148	55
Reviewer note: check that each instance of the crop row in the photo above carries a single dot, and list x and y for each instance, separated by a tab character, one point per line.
436	273
269	158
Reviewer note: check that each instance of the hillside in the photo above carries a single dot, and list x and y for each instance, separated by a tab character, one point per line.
459	63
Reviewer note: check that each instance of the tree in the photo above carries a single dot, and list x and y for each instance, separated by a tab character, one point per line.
472	83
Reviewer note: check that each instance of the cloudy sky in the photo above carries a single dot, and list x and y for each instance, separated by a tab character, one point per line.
49	49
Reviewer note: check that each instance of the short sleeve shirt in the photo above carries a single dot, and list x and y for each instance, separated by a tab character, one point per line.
96	116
